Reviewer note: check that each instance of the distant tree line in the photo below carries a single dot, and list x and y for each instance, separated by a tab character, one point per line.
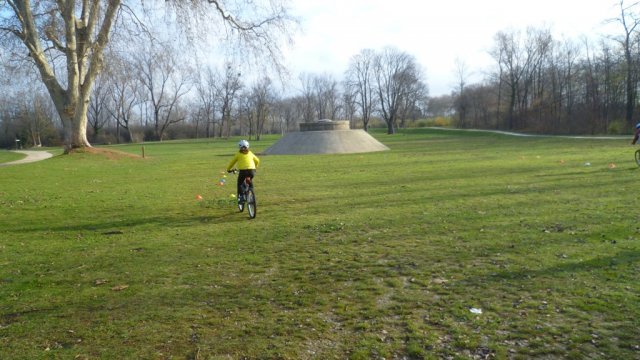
540	84
153	94
152	90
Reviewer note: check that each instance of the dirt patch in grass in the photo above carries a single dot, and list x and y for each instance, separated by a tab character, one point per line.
108	153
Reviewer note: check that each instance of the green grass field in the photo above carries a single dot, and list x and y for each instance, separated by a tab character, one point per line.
359	256
7	156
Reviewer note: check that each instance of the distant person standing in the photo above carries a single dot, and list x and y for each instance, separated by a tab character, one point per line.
247	163
636	135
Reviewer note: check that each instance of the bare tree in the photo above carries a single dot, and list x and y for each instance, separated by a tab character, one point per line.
98	113
519	60
35	120
227	92
27	119
308	97
462	73
262	99
126	95
395	74
601	88
166	83
416	93
566	68
79	34
478	98
349	105
326	96
440	106
287	115
360	78
78	31
206	92
508	54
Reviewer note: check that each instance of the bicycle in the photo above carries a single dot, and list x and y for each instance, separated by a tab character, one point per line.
249	197
637	155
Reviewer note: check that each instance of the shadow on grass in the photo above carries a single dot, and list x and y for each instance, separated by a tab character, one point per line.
620	259
115	227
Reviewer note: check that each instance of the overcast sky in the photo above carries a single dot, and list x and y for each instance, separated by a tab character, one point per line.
436	32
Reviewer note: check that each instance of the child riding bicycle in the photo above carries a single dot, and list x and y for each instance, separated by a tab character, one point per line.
247	163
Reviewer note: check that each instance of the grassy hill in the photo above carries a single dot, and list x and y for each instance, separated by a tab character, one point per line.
451	245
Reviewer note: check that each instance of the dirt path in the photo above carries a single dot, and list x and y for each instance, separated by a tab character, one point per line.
31	157
616	137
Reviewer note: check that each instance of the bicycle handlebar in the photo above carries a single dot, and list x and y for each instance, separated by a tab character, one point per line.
235	171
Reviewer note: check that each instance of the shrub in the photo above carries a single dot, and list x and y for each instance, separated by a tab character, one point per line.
618	127
439	121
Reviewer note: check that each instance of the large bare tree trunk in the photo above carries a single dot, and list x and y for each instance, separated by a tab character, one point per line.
74	123
80	39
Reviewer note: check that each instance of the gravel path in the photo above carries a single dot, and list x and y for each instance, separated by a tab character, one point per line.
31	157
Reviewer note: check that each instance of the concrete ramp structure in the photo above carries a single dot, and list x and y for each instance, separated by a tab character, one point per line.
325	137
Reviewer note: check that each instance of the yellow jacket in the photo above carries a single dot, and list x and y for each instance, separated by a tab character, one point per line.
245	161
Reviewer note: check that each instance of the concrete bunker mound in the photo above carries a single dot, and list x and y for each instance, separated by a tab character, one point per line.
325	137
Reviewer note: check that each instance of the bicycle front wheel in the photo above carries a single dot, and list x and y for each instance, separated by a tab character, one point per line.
251	204
638	157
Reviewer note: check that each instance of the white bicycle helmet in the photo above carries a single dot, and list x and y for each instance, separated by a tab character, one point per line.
243	143
638	126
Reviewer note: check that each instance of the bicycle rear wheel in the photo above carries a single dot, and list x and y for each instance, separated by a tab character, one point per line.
251	204
638	157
